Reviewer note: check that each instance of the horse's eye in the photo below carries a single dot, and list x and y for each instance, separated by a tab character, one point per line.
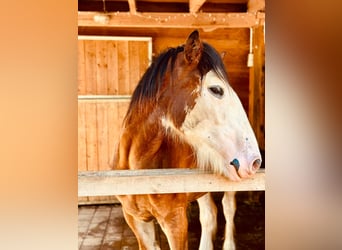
217	91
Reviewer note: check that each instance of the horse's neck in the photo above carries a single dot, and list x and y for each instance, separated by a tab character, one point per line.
176	154
146	145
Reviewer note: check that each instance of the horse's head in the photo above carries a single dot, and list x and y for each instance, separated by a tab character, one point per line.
196	105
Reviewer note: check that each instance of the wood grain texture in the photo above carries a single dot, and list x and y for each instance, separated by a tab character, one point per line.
208	21
161	181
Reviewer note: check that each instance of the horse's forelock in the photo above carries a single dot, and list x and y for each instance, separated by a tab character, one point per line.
211	60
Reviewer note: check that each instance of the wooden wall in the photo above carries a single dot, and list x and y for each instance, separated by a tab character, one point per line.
110	67
108	71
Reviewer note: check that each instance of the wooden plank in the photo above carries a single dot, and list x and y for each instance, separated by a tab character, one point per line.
103	97
82	149
161	181
90	69
123	67
132	7
101	67
115	38
102	135
114	126
256	111
109	200
113	67
206	21
81	68
91	136
135	60
195	5
145	58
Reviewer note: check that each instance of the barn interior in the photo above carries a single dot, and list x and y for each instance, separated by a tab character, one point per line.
117	41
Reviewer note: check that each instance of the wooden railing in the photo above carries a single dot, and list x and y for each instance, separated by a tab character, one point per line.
152	181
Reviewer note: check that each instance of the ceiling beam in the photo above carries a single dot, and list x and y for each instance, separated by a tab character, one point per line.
132	7
195	5
206	21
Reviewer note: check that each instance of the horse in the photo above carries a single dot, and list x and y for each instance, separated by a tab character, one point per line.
184	114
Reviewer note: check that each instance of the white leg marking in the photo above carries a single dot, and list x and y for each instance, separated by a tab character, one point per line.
229	208
208	215
147	234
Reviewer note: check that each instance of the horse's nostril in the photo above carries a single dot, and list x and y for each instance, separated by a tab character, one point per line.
256	164
235	163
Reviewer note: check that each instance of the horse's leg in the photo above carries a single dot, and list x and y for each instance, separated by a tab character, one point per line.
144	231
208	219
175	226
229	208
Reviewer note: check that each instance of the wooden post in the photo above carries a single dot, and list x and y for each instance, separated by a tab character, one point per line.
256	111
132	7
195	5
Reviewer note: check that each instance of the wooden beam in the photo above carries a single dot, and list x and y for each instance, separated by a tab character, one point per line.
206	21
132	7
195	5
152	181
253	6
256	112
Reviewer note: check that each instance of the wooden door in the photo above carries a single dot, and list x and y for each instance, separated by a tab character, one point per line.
109	68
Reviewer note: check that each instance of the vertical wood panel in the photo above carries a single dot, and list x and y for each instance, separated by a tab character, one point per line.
113	125
102	131
81	68
134	64
101	68
257	87
123	61
91	135
113	68
82	143
144	58
90	69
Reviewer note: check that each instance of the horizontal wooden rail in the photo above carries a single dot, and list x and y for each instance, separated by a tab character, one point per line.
103	97
152	181
205	21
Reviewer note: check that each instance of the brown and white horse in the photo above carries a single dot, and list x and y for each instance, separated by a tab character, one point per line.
184	114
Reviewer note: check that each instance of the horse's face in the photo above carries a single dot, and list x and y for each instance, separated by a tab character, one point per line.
209	116
219	130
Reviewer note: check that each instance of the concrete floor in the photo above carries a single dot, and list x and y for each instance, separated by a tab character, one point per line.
102	227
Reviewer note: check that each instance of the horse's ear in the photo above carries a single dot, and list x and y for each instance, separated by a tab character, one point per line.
193	48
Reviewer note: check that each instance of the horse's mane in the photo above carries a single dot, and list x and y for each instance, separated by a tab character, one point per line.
150	83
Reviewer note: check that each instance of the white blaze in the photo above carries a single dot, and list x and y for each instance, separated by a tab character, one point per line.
218	129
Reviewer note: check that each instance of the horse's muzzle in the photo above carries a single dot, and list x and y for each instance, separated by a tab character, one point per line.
251	169
256	165
236	164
